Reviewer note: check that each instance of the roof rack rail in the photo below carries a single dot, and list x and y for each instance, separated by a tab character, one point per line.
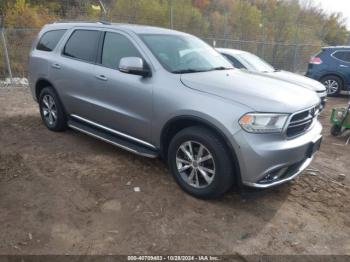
71	21
77	21
105	22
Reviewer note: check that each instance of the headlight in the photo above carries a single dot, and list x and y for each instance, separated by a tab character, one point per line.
263	123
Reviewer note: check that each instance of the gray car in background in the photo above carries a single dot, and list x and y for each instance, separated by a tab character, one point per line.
248	61
162	93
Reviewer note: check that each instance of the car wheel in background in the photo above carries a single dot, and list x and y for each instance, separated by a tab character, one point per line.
51	110
200	163
333	85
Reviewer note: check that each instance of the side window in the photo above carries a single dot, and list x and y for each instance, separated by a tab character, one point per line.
49	40
234	61
83	45
115	47
343	56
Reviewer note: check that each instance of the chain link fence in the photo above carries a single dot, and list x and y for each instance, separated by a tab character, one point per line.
287	56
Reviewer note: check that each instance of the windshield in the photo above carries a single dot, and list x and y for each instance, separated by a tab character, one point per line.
184	53
255	63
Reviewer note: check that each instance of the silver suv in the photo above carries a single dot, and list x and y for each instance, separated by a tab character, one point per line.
162	93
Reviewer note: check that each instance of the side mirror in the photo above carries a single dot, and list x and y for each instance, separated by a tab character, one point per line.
134	66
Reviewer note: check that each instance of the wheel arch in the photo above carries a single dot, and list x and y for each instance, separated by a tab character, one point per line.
178	123
41	84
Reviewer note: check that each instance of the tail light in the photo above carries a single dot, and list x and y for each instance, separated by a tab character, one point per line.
315	60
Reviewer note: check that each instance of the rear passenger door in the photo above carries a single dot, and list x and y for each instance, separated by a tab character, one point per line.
73	72
125	100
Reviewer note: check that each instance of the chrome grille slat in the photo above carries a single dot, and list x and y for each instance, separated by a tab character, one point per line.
295	123
301	122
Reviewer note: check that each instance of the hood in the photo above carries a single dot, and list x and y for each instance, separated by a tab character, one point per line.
298	80
262	94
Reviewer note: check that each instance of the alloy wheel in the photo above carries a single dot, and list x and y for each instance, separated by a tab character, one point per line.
49	110
195	164
332	86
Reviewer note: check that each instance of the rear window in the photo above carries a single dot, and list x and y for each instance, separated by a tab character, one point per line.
49	40
342	55
83	45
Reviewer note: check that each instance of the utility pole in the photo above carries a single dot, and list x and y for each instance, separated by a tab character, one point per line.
3	40
171	14
104	11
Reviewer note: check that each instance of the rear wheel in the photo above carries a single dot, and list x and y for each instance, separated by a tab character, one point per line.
333	85
51	110
200	163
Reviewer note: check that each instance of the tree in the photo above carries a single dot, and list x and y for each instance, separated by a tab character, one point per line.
23	15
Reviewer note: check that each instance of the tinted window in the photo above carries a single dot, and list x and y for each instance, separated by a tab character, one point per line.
83	45
343	55
49	40
180	53
115	47
234	61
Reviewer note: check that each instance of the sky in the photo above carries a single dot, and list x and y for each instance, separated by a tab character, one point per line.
342	6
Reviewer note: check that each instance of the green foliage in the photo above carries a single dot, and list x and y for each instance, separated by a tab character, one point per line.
282	21
23	15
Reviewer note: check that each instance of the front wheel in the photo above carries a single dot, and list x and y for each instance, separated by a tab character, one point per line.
201	163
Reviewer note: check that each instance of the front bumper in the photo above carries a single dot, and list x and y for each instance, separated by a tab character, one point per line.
265	156
323	97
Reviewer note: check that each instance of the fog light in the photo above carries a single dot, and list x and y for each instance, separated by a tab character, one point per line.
274	176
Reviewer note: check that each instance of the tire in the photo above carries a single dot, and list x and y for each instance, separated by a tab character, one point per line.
220	162
336	130
333	84
50	105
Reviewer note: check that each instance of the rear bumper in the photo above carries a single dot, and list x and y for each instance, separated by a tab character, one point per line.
269	160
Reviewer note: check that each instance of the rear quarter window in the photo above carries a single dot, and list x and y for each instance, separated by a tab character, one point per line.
49	40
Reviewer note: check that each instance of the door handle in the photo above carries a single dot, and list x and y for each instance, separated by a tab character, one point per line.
344	66
56	66
102	77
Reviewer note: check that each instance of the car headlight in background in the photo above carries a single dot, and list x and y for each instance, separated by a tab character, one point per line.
263	123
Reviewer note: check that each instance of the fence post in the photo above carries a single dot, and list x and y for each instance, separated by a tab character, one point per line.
171	14
296	48
3	40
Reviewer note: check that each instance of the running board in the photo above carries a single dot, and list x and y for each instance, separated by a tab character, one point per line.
113	139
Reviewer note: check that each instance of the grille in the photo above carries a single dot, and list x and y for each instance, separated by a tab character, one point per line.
302	121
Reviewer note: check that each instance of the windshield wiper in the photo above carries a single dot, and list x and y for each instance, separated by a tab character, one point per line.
221	68
187	71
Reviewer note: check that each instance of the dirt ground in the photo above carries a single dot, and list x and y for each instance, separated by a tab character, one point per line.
67	193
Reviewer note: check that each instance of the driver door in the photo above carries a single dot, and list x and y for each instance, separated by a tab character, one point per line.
125	100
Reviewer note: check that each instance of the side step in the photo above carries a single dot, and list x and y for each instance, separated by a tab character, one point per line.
112	139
